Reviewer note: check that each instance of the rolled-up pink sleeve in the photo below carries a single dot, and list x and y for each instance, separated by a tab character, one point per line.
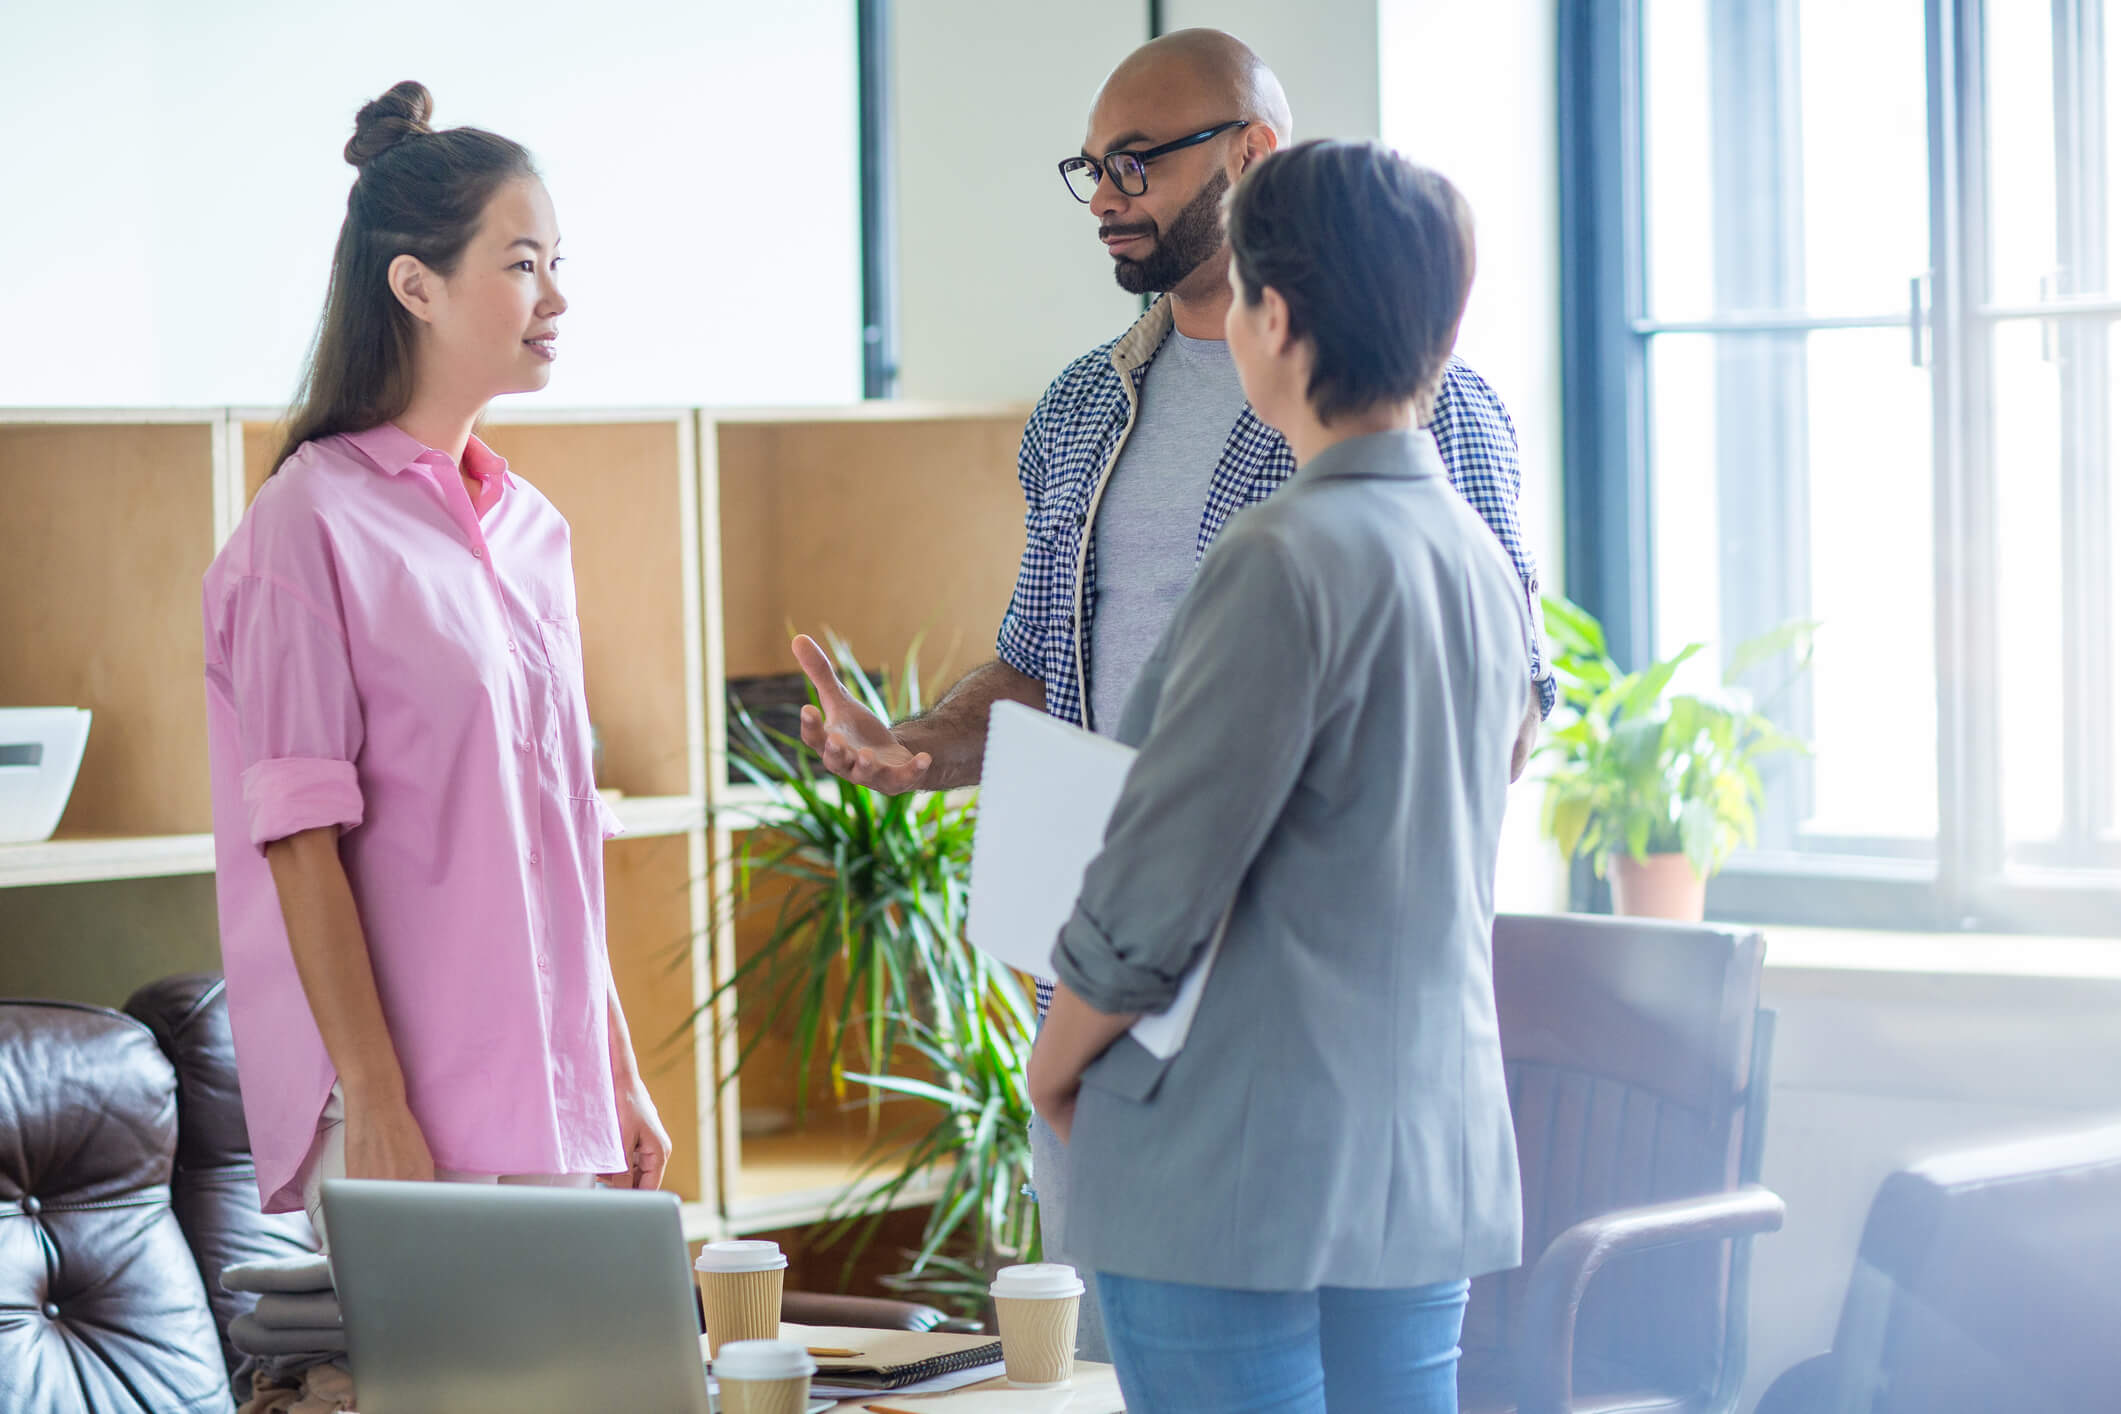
298	716
294	793
609	820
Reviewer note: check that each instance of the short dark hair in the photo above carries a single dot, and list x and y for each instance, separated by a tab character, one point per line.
1374	257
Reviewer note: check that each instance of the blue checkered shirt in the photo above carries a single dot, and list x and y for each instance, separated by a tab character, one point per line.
1073	439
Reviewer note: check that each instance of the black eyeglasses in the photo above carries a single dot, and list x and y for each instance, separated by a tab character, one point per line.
1129	169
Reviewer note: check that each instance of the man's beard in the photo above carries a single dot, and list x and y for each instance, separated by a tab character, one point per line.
1196	233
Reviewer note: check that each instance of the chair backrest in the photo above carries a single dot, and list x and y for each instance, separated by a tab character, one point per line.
101	1304
1629	1047
215	1184
1989	1279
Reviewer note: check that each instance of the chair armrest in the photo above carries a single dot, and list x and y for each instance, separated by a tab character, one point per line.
816	1308
1555	1289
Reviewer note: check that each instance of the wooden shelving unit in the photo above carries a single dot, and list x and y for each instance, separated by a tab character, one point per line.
888	524
701	538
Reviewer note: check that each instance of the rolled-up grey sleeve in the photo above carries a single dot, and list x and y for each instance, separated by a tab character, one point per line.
1232	727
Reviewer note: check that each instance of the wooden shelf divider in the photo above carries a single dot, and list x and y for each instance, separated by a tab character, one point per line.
92	859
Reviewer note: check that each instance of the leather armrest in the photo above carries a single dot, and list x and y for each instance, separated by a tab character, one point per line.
814	1308
1563	1273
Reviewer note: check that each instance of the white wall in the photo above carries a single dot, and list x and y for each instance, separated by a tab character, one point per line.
172	186
1001	278
1324	53
1470	91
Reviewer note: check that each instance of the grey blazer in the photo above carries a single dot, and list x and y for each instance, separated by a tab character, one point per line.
1324	738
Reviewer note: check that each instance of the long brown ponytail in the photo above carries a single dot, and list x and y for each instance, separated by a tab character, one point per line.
420	193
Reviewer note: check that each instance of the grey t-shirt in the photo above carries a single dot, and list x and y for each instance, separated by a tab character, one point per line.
1148	521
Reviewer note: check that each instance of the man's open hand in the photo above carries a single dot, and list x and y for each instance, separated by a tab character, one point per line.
853	742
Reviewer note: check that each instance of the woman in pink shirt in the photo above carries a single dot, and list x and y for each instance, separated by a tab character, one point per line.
408	838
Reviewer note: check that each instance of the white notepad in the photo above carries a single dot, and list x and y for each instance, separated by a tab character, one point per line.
1046	793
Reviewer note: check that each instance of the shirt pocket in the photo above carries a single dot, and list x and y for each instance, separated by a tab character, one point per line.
561	640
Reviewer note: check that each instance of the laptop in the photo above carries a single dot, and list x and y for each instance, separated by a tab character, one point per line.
483	1298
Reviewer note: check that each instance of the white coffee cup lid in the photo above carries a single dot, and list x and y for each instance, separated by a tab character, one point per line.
740	1257
762	1360
1036	1281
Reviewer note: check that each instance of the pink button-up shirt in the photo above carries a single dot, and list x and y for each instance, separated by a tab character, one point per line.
386	657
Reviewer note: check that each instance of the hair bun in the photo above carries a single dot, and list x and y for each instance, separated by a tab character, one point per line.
383	124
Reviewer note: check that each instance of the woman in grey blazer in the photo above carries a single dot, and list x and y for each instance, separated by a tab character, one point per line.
1284	1215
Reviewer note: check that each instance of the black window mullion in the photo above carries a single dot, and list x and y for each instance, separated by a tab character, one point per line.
876	140
1605	487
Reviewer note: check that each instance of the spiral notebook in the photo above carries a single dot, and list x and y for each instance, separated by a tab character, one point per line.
1094	1390
890	1359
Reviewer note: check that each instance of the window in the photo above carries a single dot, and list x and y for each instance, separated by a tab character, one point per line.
1838	322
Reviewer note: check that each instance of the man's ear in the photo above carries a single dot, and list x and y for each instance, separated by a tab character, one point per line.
1260	143
415	286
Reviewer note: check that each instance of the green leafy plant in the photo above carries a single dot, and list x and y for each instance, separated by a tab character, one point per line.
975	1043
1643	770
867	958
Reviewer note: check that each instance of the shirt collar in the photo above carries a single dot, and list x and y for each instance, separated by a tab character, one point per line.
1140	343
1409	455
393	450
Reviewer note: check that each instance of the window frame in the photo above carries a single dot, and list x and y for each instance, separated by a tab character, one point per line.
876	145
1974	881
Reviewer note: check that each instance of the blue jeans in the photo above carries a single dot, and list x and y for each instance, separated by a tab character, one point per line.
1337	1350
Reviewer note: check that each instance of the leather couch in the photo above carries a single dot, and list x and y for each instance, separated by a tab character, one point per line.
102	1306
214	1186
126	1186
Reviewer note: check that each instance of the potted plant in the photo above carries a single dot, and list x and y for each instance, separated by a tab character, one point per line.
867	956
1659	786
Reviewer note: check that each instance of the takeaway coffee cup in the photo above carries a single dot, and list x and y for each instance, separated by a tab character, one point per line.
740	1291
1037	1306
763	1376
